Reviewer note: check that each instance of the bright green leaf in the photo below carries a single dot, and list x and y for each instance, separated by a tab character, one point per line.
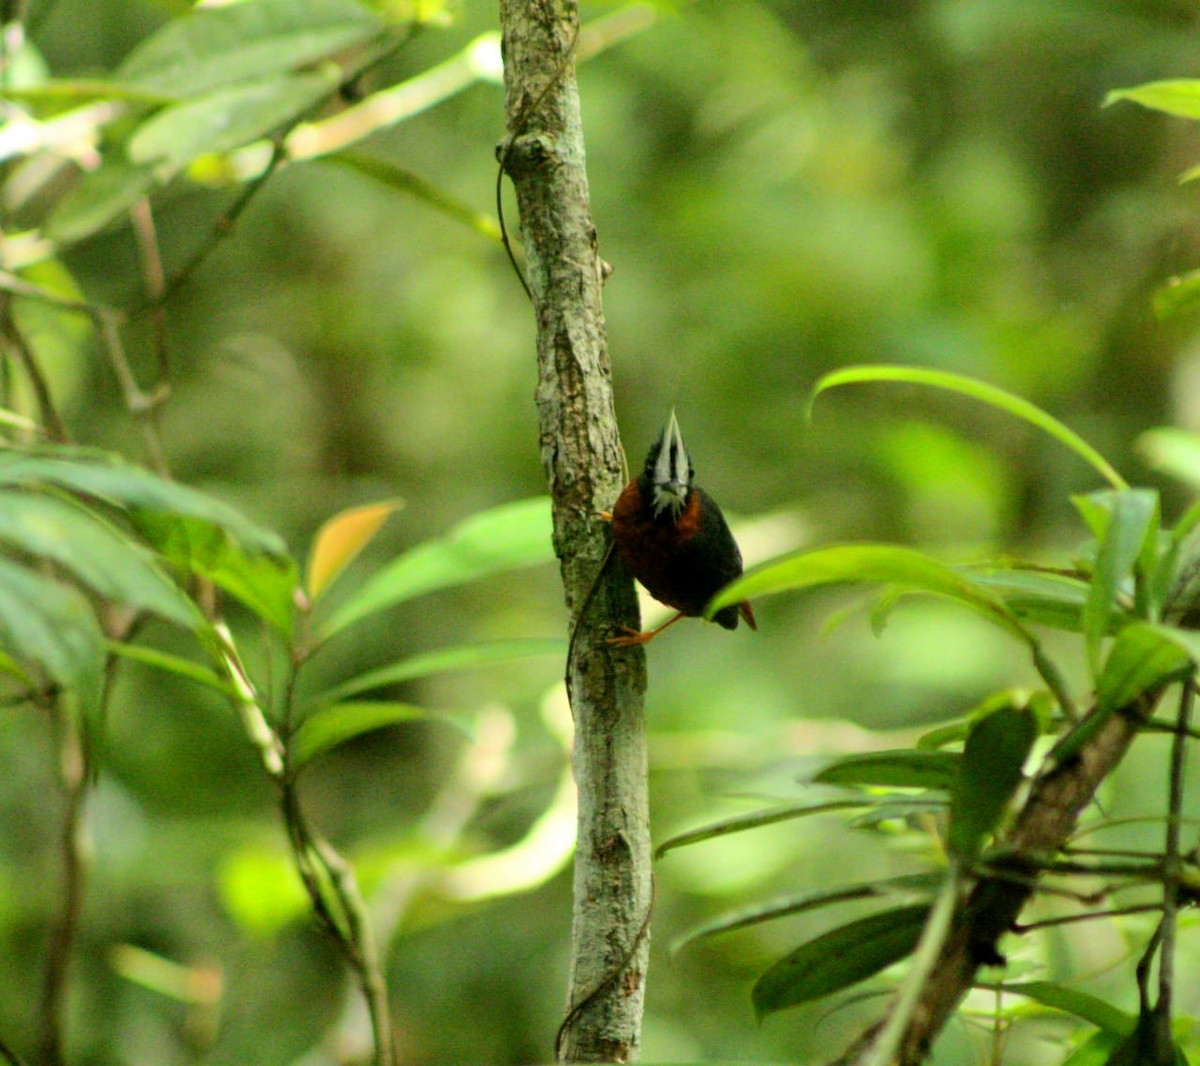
1053	600
50	624
443	660
1083	1005
901	768
508	537
797	903
988	775
1143	657
839	959
330	726
1174	96
109	563
1132	518
756	819
227	118
213	47
173	664
978	390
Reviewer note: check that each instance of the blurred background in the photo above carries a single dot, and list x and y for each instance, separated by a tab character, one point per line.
782	189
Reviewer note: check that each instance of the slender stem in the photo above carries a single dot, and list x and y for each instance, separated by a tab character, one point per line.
1119	912
1172	862
153	278
23	354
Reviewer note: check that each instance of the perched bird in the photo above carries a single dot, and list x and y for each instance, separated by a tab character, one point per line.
674	539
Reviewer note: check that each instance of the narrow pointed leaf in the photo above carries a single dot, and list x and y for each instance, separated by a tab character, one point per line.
339	541
508	537
1132	517
902	768
217	46
1082	1005
978	390
1052	600
756	819
173	664
443	660
1173	96
227	118
330	726
908	570
50	624
1143	657
797	903
839	959
109	563
991	768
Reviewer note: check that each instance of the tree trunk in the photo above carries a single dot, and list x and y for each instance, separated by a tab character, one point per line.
581	451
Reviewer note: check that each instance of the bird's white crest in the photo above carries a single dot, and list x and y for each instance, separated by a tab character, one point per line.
672	471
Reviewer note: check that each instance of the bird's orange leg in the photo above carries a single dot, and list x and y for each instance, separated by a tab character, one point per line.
632	636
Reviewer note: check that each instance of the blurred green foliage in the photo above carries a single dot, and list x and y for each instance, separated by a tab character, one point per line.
782	190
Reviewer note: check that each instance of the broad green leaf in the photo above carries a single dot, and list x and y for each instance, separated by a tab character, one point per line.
109	478
50	624
901	768
839	959
978	390
213	47
333	725
443	660
405	181
988	774
507	537
109	563
227	118
100	197
1174	96
173	664
1132	519
1180	295
909	570
263	582
1083	1005
797	903
755	820
340	539
1143	657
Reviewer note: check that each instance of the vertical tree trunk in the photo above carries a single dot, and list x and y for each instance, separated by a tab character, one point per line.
581	452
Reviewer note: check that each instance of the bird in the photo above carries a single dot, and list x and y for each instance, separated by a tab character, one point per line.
674	540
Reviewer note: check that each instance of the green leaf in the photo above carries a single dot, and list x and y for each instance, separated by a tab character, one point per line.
508	537
755	820
1082	1005
50	624
227	118
213	47
109	563
1053	600
405	181
100	197
1179	295
173	664
901	768
109	478
839	959
978	390
1094	1051
907	569
330	726
1131	521
1143	657
444	660
1174	96
797	903
265	583
988	774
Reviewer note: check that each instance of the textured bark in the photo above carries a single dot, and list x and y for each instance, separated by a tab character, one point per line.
581	452
1042	827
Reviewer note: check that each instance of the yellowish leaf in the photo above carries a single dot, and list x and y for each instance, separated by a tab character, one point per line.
340	539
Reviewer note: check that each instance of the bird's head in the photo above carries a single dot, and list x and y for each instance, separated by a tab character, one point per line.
669	471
